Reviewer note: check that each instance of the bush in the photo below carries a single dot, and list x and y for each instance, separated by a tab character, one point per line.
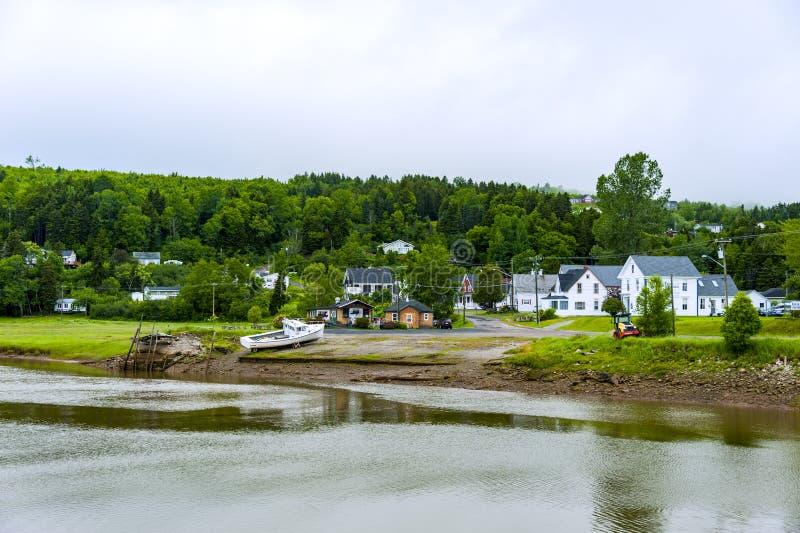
612	306
254	314
362	323
547	314
277	322
740	323
400	325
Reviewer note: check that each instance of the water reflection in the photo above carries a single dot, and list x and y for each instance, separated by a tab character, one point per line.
214	456
332	407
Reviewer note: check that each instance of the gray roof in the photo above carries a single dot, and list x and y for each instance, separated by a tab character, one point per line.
775	292
527	282
147	255
370	275
607	274
664	266
403	304
569	278
706	286
343	304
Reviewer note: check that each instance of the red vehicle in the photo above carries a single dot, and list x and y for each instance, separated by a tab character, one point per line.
623	327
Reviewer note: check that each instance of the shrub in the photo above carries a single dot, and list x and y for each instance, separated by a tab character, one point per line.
400	325
654	303
362	323
740	323
612	306
547	314
254	314
277	322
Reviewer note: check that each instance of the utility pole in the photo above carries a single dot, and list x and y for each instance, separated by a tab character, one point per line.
513	301
535	261
61	305
672	297
722	243
213	299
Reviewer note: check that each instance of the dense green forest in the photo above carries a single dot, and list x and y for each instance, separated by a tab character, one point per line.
315	225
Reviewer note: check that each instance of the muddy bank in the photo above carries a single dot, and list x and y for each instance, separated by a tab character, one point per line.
477	363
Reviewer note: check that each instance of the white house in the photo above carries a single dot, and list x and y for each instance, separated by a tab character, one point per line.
585	289
400	246
269	279
760	301
525	288
155	293
69	258
639	268
173	262
365	281
147	258
67	305
711	294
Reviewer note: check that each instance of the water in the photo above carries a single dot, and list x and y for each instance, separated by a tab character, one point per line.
92	452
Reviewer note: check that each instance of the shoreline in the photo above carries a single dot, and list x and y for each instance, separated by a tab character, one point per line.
476	363
472	361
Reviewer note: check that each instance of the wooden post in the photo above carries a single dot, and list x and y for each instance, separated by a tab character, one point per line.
211	350
133	343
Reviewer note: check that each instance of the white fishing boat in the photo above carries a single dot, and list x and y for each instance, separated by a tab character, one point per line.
294	333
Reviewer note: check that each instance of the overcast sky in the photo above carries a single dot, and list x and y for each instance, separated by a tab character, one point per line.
532	92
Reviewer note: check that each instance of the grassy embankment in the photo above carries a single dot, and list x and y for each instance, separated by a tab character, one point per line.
93	340
657	356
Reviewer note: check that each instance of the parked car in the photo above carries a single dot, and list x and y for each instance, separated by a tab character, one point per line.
775	311
445	323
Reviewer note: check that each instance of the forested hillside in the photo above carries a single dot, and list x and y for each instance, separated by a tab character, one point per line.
224	228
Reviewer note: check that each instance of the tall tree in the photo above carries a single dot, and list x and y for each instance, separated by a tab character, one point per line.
631	203
489	288
430	278
740	323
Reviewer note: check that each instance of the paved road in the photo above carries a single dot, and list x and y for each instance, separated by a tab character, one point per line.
484	327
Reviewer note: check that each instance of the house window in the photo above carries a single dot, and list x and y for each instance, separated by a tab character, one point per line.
394	317
712	303
685	286
367	289
685	304
631	269
563	305
596	305
702	303
409	318
637	285
580	288
526	302
628	283
597	288
580	306
425	317
554	305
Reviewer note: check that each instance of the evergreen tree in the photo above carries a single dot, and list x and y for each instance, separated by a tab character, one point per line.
655	308
740	323
278	298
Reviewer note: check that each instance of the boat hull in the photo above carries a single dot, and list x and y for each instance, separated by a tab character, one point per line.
280	339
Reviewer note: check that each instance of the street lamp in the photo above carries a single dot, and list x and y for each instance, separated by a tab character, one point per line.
724	266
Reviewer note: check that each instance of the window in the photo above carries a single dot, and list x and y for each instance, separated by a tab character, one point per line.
596	305
367	289
685	304
712	303
526	302
394	317
580	288
597	288
563	305
628	284
425	317
631	268
409	318
685	286
644	282
637	285
580	306
554	305
702	303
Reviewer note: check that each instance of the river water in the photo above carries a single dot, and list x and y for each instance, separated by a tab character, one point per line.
81	450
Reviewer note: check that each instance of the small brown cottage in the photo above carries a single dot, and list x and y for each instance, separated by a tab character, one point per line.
411	313
342	313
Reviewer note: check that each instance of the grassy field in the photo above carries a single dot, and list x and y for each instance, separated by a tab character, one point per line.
694	326
81	338
646	356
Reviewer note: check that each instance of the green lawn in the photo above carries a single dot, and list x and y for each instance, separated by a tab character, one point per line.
81	338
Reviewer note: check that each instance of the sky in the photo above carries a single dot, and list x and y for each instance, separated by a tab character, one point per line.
531	91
